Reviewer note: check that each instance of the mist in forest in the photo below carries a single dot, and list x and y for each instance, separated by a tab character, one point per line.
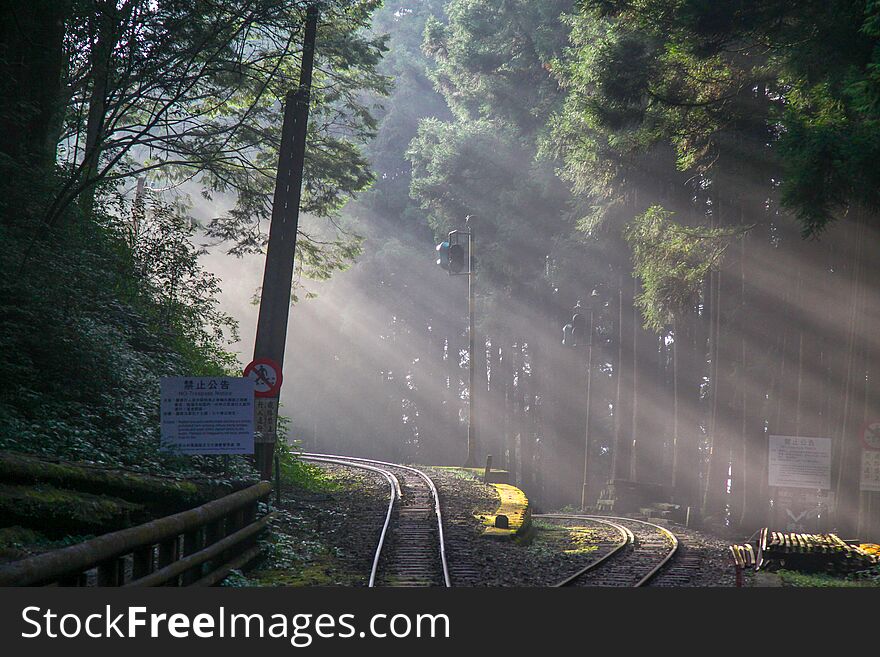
372	354
642	329
675	218
376	364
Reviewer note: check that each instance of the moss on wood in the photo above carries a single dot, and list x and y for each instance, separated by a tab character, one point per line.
162	495
57	512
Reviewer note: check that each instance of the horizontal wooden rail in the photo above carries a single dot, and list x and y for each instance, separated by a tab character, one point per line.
181	565
170	550
216	576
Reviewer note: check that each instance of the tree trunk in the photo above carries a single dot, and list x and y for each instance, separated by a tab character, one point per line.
31	70
99	63
621	452
688	369
849	462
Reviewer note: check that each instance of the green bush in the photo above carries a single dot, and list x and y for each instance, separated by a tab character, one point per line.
92	314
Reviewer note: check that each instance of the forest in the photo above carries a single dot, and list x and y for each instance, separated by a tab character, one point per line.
674	203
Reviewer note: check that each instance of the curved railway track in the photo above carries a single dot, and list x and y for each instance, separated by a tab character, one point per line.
643	551
411	549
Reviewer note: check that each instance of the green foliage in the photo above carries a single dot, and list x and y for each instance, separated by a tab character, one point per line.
92	316
822	580
18	542
108	294
236	579
167	493
166	278
480	167
492	58
411	98
664	100
798	79
491	63
191	96
830	156
631	87
294	471
672	262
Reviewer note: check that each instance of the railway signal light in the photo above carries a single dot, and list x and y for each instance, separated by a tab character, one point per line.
577	330
456	258
443	255
450	254
568	335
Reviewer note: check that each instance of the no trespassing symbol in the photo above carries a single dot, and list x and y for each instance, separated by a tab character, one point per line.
266	375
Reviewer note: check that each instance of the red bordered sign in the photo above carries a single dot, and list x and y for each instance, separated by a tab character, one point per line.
266	375
871	435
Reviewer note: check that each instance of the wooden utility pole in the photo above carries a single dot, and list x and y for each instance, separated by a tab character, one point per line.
278	273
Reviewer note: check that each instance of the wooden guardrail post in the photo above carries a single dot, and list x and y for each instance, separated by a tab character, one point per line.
142	562
213	533
168	553
111	572
248	514
234	522
191	545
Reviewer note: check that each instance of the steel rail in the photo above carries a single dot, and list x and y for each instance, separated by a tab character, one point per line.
672	537
626	535
442	541
393	484
630	540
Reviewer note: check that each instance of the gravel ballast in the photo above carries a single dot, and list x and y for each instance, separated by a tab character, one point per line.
328	538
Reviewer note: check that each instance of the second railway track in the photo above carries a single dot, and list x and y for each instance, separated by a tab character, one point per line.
643	551
410	547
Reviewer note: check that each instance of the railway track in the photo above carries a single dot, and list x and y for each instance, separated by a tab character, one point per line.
642	553
411	549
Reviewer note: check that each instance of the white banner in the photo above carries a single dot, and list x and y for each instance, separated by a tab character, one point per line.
870	470
208	415
800	462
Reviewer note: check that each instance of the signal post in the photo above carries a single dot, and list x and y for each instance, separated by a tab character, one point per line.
452	259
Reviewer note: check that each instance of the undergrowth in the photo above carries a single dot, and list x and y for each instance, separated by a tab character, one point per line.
296	473
823	580
94	310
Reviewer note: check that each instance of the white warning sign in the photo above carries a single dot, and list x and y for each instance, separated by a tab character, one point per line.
207	415
870	479
800	462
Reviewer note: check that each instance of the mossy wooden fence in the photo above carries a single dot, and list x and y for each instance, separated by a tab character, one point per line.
198	547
